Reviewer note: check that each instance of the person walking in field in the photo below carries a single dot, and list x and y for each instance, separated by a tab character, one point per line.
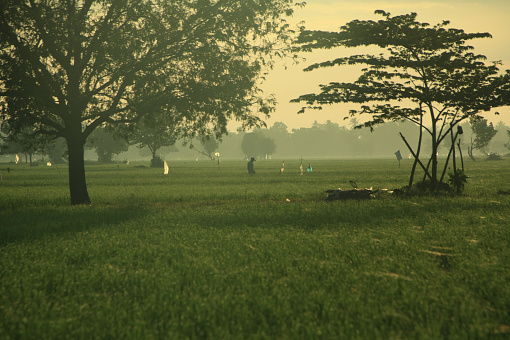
251	168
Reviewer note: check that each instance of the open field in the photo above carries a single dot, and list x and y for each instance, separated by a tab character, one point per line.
216	253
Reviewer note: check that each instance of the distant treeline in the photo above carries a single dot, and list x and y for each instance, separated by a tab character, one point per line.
328	140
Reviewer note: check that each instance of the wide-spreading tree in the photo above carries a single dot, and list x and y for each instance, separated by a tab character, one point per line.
106	145
425	74
70	66
507	145
484	132
153	131
23	142
209	146
257	144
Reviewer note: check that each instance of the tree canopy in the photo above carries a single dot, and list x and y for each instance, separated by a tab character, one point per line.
209	146
426	74
106	145
68	67
484	132
24	142
256	144
152	131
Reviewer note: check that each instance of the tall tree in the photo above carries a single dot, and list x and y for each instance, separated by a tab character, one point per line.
256	144
484	132
209	145
153	131
22	142
507	145
426	74
282	138
106	145
56	151
497	143
68	67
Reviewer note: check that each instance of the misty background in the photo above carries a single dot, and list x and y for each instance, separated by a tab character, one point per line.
279	142
321	140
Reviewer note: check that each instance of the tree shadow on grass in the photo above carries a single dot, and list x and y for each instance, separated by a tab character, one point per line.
36	223
316	215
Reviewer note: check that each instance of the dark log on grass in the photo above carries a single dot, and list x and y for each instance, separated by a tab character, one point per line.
356	194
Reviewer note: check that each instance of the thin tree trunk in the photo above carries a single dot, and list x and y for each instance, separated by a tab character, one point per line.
433	157
414	155
428	167
470	151
454	158
411	178
452	151
460	152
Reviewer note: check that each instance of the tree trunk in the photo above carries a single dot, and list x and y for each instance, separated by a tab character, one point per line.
470	151
411	178
417	159
77	183
454	157
452	151
433	158
460	152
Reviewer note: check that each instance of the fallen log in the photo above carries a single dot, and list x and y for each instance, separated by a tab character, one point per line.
356	194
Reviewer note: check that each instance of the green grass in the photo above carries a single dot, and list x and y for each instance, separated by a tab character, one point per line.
219	254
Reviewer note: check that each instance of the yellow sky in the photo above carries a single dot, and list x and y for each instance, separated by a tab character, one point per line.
491	16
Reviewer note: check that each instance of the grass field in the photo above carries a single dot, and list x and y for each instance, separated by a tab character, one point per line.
218	254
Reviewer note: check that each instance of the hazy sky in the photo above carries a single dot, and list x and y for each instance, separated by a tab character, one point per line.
492	16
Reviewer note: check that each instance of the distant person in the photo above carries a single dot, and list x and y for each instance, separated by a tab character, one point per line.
251	168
